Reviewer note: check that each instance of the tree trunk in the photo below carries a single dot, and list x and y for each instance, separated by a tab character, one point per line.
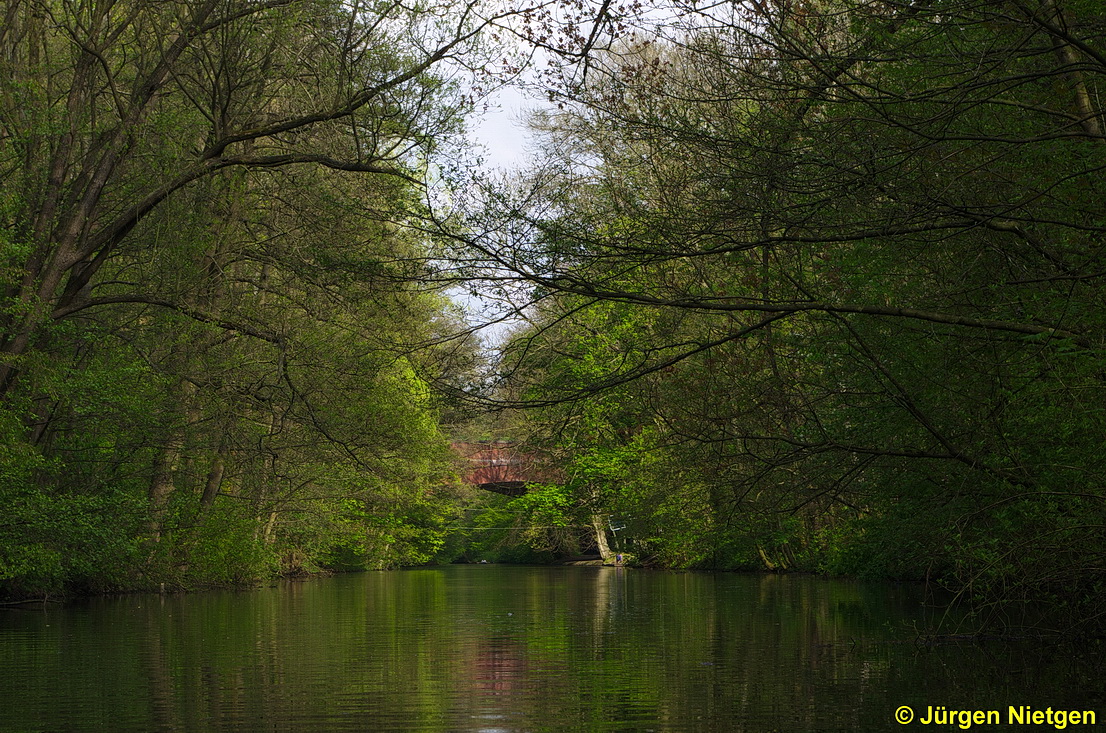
214	481
161	483
599	523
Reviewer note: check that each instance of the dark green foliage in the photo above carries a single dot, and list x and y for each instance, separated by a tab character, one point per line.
539	527
822	289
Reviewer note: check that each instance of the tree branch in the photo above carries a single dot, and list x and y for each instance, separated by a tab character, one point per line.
193	313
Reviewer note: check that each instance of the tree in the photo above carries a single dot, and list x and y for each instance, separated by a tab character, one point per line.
211	303
867	235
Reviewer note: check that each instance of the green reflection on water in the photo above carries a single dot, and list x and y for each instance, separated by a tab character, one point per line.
515	648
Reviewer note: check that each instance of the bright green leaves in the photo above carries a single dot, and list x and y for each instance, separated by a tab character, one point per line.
548	506
214	320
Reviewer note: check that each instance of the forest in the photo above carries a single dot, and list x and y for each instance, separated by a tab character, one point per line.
786	285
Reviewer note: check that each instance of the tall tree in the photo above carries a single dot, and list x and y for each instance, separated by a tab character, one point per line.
210	295
866	235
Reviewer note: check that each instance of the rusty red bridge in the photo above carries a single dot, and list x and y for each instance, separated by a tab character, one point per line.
503	467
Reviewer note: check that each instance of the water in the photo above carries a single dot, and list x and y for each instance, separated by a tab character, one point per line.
499	648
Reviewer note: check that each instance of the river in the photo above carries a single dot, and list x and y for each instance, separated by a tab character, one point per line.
507	648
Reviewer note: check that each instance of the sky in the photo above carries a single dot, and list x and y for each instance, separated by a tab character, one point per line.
502	131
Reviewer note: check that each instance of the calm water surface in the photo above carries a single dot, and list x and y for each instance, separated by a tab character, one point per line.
499	648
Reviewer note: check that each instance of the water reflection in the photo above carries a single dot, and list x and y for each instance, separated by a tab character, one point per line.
489	648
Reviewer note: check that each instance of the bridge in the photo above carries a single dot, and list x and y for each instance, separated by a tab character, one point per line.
502	466
506	468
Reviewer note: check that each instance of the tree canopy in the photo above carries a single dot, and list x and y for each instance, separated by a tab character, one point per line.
819	285
211	297
807	285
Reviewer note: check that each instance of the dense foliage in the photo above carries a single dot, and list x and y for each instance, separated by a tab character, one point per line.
819	285
810	285
210	296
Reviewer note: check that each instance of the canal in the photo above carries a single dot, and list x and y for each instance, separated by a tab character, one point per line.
506	648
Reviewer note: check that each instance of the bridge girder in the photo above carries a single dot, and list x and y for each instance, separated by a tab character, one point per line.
507	488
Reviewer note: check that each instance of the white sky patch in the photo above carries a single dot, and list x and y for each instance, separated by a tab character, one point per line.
502	131
506	146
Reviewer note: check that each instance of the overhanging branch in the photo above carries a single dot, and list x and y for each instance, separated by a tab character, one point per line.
193	313
578	287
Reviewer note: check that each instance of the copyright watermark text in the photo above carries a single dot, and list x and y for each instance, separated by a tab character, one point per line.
1013	715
